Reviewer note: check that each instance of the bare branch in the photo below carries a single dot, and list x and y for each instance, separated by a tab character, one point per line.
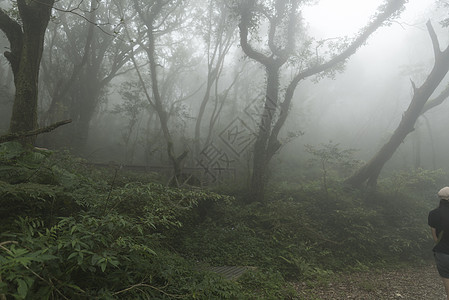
19	135
413	85
8	242
436	101
433	36
393	6
79	12
149	286
13	32
244	32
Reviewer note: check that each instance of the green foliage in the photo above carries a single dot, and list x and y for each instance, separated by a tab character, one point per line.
40	183
100	257
305	233
70	231
332	161
213	286
415	180
91	256
443	4
83	233
224	237
269	284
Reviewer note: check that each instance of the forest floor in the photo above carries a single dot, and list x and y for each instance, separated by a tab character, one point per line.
417	282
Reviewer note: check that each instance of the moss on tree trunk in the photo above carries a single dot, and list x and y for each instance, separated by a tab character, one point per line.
26	40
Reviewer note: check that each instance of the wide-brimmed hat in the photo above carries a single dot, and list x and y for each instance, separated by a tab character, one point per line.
444	193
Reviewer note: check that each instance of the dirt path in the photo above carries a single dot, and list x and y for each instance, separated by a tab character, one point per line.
420	283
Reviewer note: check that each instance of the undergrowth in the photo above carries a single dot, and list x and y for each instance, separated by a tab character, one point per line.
70	231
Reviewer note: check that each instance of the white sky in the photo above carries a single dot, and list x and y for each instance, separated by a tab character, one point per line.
372	92
332	18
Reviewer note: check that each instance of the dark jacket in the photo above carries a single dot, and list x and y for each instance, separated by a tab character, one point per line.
439	219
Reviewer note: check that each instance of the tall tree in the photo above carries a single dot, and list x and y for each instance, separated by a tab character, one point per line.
26	38
419	104
155	20
88	56
283	17
219	37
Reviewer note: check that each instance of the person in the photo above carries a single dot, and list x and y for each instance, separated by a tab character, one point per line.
438	221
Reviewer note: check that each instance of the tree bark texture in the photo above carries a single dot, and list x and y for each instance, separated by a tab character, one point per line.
26	41
262	151
370	172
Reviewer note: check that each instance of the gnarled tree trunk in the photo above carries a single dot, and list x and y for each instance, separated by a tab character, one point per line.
275	111
369	173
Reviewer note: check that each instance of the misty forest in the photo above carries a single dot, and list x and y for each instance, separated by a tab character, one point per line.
221	149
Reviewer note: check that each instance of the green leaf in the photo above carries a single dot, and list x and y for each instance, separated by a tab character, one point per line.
75	287
22	288
80	258
45	257
3	287
11	150
114	262
72	230
72	255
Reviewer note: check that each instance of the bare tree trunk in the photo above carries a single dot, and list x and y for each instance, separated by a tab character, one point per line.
156	101
219	41
262	156
26	40
369	173
199	118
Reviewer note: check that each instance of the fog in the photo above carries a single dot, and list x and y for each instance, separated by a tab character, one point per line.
361	107
358	107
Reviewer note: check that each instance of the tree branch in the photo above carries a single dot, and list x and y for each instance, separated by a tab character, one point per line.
13	32
18	135
392	7
413	85
436	101
433	36
148	286
382	17
243	26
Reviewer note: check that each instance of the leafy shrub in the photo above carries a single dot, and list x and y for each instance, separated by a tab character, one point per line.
268	284
308	233
80	236
418	181
71	231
